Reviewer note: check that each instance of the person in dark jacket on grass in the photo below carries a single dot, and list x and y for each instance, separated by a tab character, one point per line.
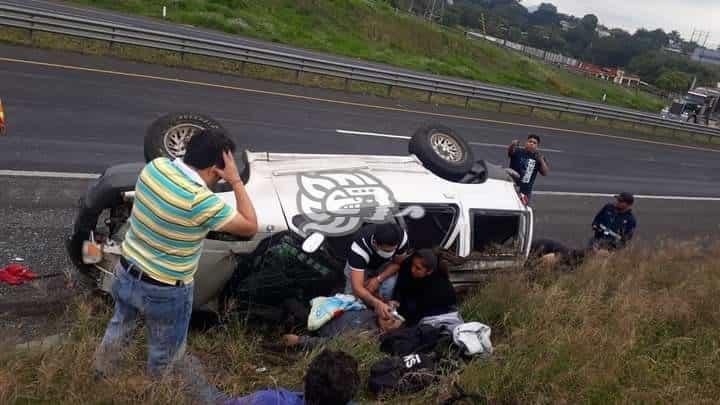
423	289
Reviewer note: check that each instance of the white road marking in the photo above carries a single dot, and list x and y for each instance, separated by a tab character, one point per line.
496	145
375	134
639	196
381	135
84	176
56	175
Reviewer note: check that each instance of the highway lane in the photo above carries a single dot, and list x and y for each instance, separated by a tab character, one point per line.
64	119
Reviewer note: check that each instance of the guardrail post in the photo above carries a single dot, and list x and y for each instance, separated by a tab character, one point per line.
430	94
32	31
500	106
467	102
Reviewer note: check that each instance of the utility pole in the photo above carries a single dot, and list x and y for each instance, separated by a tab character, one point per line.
482	23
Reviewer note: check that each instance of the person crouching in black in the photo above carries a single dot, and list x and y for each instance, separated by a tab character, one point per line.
423	289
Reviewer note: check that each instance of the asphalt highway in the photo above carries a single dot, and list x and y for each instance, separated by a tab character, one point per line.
63	117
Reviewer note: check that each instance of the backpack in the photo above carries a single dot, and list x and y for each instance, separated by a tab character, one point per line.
416	339
404	375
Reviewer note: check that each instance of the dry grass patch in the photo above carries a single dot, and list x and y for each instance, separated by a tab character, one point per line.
322	81
643	326
256	71
373	89
17	36
148	55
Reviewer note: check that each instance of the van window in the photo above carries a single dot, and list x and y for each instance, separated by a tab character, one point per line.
496	233
433	229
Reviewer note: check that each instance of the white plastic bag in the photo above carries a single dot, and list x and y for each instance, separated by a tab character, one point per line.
474	337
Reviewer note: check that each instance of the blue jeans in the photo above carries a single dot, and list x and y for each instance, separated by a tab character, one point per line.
167	317
386	288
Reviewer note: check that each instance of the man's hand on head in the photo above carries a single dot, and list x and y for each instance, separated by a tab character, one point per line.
230	173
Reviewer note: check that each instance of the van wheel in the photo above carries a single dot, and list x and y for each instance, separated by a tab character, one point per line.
442	151
168	135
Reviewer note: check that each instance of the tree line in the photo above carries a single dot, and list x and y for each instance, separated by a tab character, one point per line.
582	38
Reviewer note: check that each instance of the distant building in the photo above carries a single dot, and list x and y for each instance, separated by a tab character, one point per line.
673	49
625	79
566	25
614	75
603	33
704	55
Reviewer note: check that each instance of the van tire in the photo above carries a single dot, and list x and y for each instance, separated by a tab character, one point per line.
442	151
168	135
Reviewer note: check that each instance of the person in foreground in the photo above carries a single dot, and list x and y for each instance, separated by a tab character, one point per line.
332	378
173	211
372	265
615	224
527	163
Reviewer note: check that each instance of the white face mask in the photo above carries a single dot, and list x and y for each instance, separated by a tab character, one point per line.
384	254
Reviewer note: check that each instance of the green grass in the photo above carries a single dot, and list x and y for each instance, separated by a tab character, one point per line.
639	327
373	31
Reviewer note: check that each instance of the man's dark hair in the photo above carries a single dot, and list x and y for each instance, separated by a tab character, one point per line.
206	148
535	137
387	234
332	378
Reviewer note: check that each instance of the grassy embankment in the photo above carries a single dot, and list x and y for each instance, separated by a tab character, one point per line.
641	327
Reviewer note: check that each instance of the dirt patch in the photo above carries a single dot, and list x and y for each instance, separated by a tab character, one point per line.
39	313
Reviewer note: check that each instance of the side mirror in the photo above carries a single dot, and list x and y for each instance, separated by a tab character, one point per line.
313	242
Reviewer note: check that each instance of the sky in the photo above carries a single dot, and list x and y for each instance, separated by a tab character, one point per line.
680	15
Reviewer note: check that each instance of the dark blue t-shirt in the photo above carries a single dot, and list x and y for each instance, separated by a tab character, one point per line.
525	164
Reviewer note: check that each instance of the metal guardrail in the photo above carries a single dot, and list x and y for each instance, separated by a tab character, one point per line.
122	34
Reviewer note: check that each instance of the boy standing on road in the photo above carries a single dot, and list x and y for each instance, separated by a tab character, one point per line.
173	211
527	162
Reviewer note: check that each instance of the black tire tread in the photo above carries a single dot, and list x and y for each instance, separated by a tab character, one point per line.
420	146
153	147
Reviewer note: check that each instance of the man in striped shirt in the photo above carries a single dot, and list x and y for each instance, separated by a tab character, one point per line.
173	211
